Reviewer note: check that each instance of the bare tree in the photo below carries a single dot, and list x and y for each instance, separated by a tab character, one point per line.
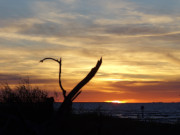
66	106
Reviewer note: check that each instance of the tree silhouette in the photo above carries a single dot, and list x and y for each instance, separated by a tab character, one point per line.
66	105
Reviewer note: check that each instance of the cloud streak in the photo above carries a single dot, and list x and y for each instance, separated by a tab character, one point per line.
138	40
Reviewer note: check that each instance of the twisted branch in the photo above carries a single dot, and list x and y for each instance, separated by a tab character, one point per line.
60	84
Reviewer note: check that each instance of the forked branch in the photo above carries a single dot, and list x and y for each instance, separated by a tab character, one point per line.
66	106
67	103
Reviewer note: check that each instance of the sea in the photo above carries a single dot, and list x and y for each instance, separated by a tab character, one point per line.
156	112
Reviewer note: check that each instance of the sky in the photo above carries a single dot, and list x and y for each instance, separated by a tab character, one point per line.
139	41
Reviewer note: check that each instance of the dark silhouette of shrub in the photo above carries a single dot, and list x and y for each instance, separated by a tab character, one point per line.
25	101
23	93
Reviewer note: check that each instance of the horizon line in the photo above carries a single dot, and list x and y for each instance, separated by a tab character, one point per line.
123	103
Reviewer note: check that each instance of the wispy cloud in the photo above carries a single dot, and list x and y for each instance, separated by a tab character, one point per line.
173	59
138	40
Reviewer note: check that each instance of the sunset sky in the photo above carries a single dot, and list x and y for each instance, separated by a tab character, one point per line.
139	41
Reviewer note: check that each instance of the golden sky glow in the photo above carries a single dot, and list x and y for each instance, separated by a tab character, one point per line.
138	40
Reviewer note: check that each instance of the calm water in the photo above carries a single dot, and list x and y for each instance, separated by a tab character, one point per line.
160	112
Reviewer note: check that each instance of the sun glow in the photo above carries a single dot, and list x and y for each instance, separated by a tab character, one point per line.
115	101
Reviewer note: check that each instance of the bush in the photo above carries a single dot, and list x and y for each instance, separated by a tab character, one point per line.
23	93
31	103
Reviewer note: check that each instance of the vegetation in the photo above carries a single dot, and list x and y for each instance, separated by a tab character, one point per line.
25	102
23	93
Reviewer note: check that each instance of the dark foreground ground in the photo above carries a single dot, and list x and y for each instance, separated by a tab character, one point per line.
37	123
92	124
